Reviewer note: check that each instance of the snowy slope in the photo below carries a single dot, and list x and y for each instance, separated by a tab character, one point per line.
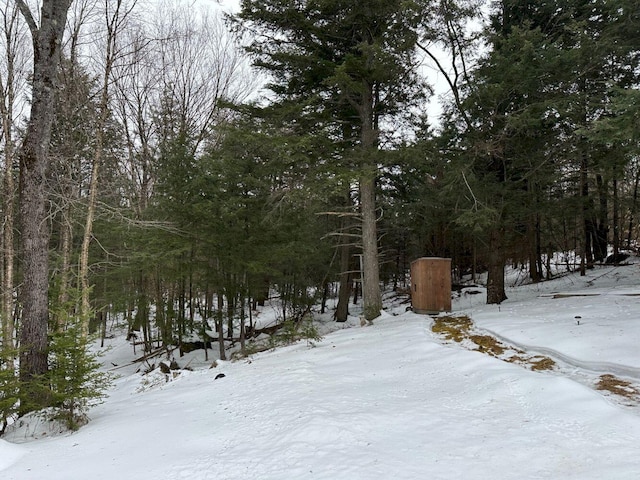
391	401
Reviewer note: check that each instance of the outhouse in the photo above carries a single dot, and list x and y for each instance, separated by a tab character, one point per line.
431	285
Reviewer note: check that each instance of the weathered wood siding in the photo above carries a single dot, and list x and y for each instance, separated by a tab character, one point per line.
431	285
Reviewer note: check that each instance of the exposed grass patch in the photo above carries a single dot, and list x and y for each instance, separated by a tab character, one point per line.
459	329
452	328
540	363
617	386
489	345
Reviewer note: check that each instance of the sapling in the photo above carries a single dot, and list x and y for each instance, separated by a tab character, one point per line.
74	377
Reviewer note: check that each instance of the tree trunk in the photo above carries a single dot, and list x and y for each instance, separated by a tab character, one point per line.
66	245
371	293
535	273
8	250
634	203
243	344
8	220
85	307
616	222
601	229
495	265
586	256
344	291
533	234
220	326
113	23
34	161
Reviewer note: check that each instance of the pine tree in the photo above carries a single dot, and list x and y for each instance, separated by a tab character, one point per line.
343	66
74	379
9	387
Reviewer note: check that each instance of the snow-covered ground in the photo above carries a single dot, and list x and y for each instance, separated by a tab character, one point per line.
389	401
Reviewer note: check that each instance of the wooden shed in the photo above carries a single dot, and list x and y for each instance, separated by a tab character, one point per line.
431	285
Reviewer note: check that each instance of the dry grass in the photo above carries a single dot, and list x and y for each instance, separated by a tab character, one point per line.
489	345
459	329
540	363
617	386
452	328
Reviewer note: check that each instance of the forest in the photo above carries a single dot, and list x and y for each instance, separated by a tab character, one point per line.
172	165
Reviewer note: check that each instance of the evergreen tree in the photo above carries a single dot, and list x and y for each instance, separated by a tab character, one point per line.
74	378
541	86
506	167
343	66
9	387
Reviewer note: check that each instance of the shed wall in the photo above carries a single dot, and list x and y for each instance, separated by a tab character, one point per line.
431	285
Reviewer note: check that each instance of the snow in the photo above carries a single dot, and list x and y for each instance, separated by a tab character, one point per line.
392	400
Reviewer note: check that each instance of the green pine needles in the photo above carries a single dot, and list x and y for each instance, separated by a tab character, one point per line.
9	388
70	387
74	378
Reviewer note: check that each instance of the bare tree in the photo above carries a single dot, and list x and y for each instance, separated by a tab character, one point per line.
116	14
11	80
187	57
83	13
200	64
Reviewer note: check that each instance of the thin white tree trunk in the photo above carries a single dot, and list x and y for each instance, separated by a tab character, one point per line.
114	23
85	290
8	221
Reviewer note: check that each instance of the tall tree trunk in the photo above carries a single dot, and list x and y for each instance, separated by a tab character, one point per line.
533	234
220	326
535	273
601	229
371	293
346	279
66	244
586	256
242	299
113	23
34	161
85	307
616	221
10	18
6	311
634	203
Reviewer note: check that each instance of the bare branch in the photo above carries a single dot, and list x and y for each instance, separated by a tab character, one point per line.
28	17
